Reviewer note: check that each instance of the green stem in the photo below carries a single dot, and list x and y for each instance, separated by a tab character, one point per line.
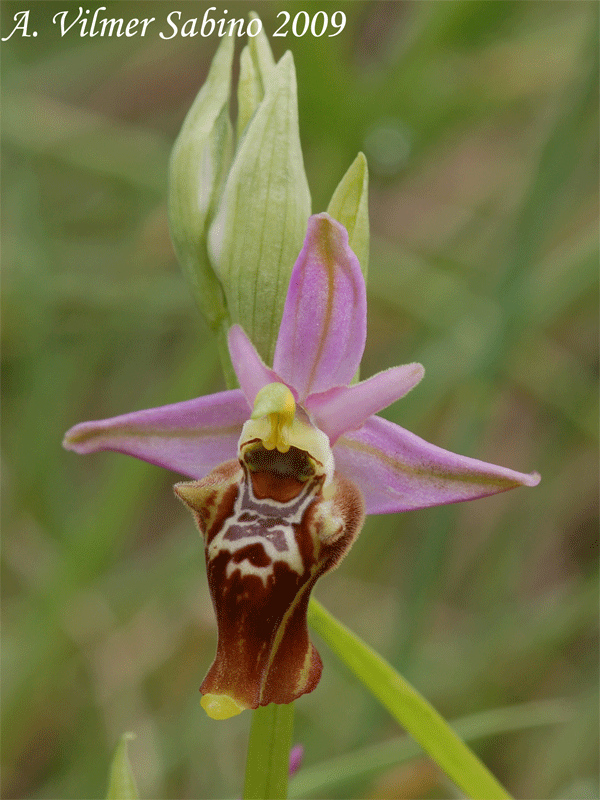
267	763
409	707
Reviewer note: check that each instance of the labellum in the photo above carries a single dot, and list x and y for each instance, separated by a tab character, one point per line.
273	522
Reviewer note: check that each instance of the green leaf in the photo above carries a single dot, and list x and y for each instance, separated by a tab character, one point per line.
260	225
121	784
350	206
373	759
409	708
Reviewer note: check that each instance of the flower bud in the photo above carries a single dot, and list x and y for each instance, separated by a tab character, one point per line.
256	66
199	163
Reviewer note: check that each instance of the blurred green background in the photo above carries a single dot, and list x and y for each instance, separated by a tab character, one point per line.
479	121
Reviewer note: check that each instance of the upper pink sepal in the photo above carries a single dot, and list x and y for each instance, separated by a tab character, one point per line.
192	437
324	326
346	408
398	471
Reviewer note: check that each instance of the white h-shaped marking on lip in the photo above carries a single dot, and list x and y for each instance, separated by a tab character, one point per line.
290	556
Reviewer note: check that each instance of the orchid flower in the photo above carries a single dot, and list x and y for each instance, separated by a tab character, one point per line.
286	466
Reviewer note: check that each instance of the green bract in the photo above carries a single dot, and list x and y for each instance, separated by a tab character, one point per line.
256	65
261	221
199	163
350	206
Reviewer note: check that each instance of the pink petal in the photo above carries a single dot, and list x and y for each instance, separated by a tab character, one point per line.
191	437
323	330
346	408
398	471
251	370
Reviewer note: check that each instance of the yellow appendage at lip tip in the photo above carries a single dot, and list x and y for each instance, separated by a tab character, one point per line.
220	706
276	402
